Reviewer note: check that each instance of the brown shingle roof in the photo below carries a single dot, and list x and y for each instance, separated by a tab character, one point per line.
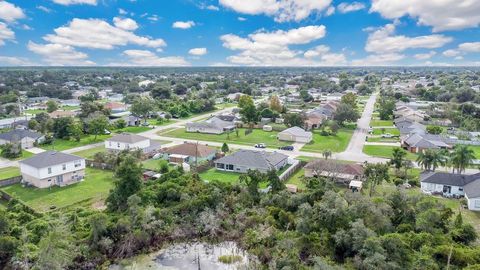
353	169
191	149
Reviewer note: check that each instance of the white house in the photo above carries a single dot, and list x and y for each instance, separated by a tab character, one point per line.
453	185
26	138
52	168
128	141
295	134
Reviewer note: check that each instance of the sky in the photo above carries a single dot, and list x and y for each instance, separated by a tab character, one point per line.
239	33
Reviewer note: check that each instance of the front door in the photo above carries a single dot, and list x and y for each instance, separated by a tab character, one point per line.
60	179
447	189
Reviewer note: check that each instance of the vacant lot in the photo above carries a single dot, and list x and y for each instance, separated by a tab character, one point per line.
95	187
257	136
9	172
384	151
337	143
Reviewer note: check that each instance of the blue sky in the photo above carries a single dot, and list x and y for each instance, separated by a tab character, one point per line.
239	32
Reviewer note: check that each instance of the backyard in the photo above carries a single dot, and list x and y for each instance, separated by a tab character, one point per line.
337	143
90	153
257	136
95	187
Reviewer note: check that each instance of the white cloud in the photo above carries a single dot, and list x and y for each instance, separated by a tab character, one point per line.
242	19
451	53
9	12
5	33
44	9
209	7
272	48
424	56
153	18
198	51
148	58
281	10
470	47
350	7
330	11
125	24
98	34
383	40
122	11
379	60
183	25
57	54
440	14
76	2
14	61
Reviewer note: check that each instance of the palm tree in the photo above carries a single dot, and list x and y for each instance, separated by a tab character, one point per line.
398	158
424	160
326	154
437	158
461	157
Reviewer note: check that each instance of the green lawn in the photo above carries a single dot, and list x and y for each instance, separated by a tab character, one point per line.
89	153
70	108
151	164
381	123
475	149
95	187
298	179
25	154
61	144
34	111
337	143
221	176
154	122
393	131
257	136
9	172
380	139
384	151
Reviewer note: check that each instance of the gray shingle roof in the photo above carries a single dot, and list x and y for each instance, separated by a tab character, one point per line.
451	179
49	158
127	138
253	159
297	131
18	134
214	123
472	189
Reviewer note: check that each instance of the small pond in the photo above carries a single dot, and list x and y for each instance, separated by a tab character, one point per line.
191	256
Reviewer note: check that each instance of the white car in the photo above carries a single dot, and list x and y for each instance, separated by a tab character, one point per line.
387	135
260	145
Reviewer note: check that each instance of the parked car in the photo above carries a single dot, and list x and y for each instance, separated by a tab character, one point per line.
387	135
288	148
260	145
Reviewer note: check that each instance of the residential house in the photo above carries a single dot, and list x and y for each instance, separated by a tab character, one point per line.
418	142
116	107
52	168
295	134
213	125
60	114
342	172
128	141
244	160
453	185
26	138
406	126
70	102
189	153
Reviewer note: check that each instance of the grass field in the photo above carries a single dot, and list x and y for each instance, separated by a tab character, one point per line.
257	136
95	187
9	172
380	139
381	123
89	153
61	144
214	175
476	149
384	151
393	131
297	179
33	111
337	143
133	129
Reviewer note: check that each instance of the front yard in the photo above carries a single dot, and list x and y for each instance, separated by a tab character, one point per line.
257	136
9	172
381	123
384	151
95	187
25	154
380	131
61	144
337	143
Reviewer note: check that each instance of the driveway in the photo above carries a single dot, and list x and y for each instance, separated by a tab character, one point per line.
35	150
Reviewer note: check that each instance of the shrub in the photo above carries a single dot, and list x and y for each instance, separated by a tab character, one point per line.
413	182
229	259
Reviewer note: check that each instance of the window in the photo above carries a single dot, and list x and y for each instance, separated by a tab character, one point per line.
77	163
230	167
477	203
49	170
118	145
460	189
64	167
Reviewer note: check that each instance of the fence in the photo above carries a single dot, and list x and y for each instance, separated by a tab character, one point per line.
10	181
291	170
98	165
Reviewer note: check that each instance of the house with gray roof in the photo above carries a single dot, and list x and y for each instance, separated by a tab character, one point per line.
453	185
244	160
129	141
418	142
52	168
213	125
295	134
25	137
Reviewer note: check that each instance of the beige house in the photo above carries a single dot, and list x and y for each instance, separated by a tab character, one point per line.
52	168
295	134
